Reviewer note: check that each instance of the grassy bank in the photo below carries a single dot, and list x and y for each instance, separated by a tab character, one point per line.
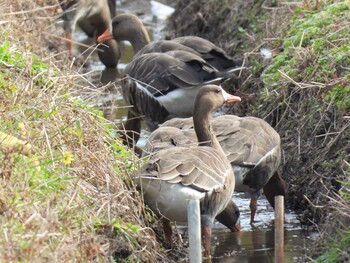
306	96
65	189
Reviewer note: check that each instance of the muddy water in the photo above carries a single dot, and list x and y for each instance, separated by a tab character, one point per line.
248	246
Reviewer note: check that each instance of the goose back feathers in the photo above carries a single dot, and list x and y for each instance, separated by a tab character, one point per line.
251	145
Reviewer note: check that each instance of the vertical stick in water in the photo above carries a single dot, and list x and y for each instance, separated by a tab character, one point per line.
194	231
279	229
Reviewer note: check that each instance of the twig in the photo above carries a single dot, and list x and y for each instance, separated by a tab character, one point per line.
74	42
30	11
289	78
311	204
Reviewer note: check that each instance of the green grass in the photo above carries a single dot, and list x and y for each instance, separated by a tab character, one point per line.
316	54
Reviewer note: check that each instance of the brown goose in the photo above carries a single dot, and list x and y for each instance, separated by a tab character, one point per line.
173	176
128	27
157	83
251	145
93	17
169	137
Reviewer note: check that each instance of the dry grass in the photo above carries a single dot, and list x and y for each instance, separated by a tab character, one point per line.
65	191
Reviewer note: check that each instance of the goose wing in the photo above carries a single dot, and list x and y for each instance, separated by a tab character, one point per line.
211	53
201	168
161	73
163	46
180	123
246	141
168	137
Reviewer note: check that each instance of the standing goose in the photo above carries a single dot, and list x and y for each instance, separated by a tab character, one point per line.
173	176
128	27
93	17
159	85
169	137
251	145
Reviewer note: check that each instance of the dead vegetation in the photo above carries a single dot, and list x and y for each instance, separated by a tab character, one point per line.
65	191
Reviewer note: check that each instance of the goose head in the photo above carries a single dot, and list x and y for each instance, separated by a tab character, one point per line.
209	97
93	17
212	97
230	217
127	27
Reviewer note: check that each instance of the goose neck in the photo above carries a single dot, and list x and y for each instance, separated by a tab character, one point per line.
202	126
203	130
139	40
205	136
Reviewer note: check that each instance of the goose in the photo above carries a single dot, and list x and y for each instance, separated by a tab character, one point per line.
129	27
172	176
157	83
93	17
160	86
251	145
169	137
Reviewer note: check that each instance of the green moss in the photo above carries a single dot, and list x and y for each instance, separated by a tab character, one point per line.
316	49
10	57
341	97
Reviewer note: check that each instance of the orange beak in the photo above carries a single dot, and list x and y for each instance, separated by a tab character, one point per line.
107	35
232	99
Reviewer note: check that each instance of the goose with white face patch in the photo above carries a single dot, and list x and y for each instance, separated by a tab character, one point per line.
250	144
172	176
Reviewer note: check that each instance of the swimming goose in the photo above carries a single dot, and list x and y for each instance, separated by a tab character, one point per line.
251	145
159	85
93	17
172	176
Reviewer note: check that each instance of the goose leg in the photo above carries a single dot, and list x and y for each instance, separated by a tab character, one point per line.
69	44
207	223
131	132
253	207
206	236
275	186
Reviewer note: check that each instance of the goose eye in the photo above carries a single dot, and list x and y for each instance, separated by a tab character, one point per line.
217	91
114	23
